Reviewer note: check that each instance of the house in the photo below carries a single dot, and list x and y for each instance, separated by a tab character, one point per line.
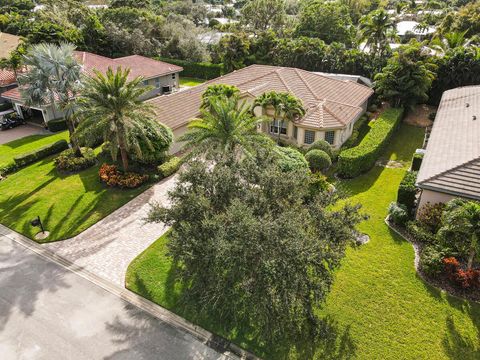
163	77
332	105
451	164
8	43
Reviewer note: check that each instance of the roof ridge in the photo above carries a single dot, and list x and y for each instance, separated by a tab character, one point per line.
282	80
342	103
306	83
450	170
324	105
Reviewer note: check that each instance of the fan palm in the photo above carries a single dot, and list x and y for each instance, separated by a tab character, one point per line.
376	29
53	77
286	107
110	108
461	221
224	127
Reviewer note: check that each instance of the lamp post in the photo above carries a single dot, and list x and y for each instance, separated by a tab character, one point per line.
37	222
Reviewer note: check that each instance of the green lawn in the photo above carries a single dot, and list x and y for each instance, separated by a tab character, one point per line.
67	204
187	81
378	308
29	143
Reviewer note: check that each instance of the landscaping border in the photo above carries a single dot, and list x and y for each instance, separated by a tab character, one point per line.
436	283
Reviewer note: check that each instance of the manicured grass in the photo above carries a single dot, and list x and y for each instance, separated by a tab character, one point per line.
67	204
29	143
378	307
187	81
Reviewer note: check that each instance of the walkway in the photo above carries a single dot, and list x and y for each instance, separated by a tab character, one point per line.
107	248
21	132
50	312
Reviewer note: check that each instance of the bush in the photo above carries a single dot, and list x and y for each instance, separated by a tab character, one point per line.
354	161
430	216
372	108
67	161
419	233
202	70
110	175
57	125
318	160
467	279
398	213
5	106
407	190
43	152
170	167
322	145
354	138
291	159
432	116
431	259
318	184
8	168
416	161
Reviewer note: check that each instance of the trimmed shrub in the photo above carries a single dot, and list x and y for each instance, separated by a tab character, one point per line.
430	216
407	190
419	233
8	168
357	160
318	160
467	279
416	161
170	167
203	70
354	138
322	145
431	259
67	161
398	213
57	125
110	175
43	152
291	159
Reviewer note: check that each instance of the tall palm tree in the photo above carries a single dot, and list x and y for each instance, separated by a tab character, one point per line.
225	127
214	91
461	221
53	78
110	108
376	29
286	107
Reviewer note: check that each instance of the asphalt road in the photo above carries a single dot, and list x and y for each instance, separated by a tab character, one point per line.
49	312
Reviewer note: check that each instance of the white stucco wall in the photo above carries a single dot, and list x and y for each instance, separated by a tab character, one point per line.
176	145
433	197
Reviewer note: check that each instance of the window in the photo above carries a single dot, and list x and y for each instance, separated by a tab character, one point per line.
309	137
174	76
145	82
330	137
274	127
157	83
295	132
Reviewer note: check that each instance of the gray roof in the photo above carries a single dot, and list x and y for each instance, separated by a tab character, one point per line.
452	160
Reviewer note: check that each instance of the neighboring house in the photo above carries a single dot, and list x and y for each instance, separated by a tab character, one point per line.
332	106
405	28
163	77
451	164
8	43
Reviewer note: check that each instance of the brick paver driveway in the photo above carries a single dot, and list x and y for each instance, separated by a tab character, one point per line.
106	248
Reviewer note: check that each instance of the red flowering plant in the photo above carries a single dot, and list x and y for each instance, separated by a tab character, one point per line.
467	279
110	175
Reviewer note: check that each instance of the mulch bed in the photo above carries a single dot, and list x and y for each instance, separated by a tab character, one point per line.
441	281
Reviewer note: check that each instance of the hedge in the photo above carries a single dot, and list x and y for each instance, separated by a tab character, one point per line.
407	191
416	161
318	160
8	168
57	125
169	167
203	70
31	157
359	159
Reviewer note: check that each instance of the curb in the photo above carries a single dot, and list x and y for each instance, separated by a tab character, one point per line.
218	343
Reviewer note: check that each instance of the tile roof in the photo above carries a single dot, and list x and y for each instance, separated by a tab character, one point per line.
8	43
452	159
7	77
330	103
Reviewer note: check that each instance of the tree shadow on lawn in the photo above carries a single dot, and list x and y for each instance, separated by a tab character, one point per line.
359	184
457	346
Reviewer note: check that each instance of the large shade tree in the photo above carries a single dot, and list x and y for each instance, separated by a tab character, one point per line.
53	78
252	252
111	109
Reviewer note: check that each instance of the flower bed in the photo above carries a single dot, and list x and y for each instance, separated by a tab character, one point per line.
110	175
68	162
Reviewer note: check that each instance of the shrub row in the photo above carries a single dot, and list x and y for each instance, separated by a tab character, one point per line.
67	161
353	139
8	168
169	167
43	152
203	70
111	176
57	125
416	161
357	160
407	190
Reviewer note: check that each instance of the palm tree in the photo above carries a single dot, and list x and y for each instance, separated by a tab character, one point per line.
450	41
461	221
218	90
286	107
376	29
110	108
224	127
53	77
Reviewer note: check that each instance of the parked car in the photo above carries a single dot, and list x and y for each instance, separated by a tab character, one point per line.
10	119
